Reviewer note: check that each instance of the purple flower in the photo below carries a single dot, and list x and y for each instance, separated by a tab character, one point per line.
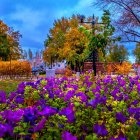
57	91
100	130
89	84
138	123
137	116
32	84
109	108
20	89
103	100
40	125
69	94
138	87
12	96
10	129
2	97
135	102
68	136
94	103
12	116
3	130
48	111
120	117
19	99
30	115
122	82
82	96
74	86
69	113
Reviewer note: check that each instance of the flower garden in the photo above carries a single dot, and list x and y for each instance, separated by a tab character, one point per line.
65	108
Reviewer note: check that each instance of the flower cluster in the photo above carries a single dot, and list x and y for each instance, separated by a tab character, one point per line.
72	109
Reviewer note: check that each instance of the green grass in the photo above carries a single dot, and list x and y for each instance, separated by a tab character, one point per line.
9	85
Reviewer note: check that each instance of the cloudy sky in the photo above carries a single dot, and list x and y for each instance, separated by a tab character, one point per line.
33	18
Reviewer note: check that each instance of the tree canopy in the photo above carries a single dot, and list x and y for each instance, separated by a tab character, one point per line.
9	43
74	41
117	53
136	53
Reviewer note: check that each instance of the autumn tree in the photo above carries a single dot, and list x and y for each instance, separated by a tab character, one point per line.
125	16
9	43
49	55
66	41
136	53
117	53
56	37
74	42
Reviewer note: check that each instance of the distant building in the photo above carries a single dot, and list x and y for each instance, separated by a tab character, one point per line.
58	65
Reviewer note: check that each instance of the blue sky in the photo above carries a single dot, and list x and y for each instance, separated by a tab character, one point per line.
33	18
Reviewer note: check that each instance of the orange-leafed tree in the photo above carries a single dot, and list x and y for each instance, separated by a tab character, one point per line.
65	40
75	47
9	43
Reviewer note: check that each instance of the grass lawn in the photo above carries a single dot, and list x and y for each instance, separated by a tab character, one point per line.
9	85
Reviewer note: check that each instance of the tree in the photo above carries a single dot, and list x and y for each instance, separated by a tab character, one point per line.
136	53
49	55
30	54
74	43
117	53
55	40
127	17
62	41
75	47
9	43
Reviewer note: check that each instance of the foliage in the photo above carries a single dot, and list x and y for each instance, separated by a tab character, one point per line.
9	43
18	68
117	53
67	40
126	13
71	109
55	40
124	68
136	53
10	85
103	37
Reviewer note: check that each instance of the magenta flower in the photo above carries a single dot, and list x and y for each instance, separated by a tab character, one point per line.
68	136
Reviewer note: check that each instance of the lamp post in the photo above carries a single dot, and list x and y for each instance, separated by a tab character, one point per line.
94	51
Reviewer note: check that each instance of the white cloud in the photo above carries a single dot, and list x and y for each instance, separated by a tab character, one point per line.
30	18
84	7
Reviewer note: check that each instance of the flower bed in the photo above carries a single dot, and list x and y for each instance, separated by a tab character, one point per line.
72	109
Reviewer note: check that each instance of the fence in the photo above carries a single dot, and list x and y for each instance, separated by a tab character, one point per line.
101	68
